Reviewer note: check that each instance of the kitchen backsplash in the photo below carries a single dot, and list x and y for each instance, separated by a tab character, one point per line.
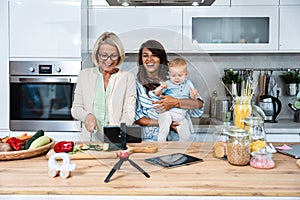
206	70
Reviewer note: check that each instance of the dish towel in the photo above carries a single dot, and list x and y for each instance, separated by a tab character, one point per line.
272	89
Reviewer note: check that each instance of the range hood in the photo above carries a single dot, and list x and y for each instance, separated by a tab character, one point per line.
160	2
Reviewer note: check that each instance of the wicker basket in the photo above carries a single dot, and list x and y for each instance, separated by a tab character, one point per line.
15	155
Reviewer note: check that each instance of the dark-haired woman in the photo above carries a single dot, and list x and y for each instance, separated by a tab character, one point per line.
153	70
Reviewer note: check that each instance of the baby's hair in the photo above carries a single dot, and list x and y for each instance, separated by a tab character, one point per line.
178	62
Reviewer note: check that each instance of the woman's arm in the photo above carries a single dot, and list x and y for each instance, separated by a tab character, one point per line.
144	121
168	102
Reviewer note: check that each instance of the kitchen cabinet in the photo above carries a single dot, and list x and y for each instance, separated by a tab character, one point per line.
239	29
4	60
135	25
254	2
47	28
289	28
289	2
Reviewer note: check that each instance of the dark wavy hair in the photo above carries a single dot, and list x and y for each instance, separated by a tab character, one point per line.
158	50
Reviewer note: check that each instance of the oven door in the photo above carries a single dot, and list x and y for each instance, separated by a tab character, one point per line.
42	102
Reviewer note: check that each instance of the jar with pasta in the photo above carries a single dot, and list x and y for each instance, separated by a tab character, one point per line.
238	149
242	109
257	134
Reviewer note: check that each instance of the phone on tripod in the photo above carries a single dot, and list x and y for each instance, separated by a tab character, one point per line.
118	136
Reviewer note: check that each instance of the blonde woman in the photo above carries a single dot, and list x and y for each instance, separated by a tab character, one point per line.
105	94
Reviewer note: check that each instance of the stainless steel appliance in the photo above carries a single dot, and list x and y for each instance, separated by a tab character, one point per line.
271	107
41	95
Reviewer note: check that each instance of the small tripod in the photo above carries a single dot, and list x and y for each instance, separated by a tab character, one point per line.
124	156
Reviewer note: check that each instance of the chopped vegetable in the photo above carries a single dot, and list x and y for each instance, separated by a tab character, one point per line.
15	143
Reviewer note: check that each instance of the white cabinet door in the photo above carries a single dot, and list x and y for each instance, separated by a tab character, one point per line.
135	25
4	60
289	2
254	2
238	29
289	36
45	28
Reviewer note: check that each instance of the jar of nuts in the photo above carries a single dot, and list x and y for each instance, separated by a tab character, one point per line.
238	147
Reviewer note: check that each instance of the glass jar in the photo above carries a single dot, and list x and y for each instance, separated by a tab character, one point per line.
220	139
257	134
238	149
262	160
242	110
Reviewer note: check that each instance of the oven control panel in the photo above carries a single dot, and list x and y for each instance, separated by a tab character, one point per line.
71	68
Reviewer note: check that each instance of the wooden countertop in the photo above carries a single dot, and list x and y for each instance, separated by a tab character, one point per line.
213	177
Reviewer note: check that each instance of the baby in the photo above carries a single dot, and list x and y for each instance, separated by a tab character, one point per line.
178	87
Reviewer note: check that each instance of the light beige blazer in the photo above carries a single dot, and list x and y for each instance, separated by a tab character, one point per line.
121	99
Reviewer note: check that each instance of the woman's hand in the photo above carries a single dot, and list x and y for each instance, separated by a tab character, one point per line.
90	123
174	126
166	103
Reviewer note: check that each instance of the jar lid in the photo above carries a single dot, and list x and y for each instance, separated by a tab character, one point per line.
237	132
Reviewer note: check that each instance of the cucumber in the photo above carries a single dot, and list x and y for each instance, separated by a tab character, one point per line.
41	141
38	134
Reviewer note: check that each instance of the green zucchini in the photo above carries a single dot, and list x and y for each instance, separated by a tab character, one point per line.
41	141
38	134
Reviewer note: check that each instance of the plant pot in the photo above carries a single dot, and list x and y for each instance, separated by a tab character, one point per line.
291	89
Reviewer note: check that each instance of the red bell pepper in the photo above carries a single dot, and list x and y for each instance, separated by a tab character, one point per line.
63	146
15	143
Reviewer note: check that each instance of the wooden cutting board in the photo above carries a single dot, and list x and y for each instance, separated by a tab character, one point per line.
87	154
83	155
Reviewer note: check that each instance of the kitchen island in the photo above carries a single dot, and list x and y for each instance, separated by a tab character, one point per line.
212	178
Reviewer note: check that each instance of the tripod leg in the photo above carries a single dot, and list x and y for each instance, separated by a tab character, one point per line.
113	170
138	168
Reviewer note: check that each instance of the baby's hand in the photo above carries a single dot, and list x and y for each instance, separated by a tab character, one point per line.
159	89
193	93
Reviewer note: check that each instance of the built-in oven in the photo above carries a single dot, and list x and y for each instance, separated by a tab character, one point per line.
41	95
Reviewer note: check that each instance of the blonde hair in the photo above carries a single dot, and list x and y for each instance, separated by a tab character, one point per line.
178	62
111	39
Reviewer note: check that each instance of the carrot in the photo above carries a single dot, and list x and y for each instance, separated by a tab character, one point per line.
24	137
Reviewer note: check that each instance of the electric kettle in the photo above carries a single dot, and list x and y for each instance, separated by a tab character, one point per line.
271	107
297	113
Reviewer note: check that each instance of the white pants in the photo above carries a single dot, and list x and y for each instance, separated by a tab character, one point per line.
165	119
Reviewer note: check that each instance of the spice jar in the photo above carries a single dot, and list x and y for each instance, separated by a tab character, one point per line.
257	134
262	160
238	149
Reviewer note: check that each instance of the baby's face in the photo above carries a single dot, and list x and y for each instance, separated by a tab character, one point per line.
177	75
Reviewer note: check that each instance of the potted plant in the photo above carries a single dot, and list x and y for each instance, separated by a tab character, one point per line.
291	79
231	77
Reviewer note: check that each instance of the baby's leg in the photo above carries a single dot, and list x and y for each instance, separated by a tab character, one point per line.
164	121
184	130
